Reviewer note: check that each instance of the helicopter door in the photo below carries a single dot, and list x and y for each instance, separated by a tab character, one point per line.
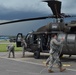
44	39
71	43
18	39
39	42
28	38
31	39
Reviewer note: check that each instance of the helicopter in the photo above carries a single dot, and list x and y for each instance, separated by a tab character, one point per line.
39	40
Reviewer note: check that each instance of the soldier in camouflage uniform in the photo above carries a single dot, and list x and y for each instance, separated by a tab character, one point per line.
24	45
55	47
10	49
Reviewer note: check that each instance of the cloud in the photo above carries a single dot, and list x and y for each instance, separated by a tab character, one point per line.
69	6
22	27
24	5
18	9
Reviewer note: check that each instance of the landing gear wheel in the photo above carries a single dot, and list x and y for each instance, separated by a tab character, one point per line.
37	54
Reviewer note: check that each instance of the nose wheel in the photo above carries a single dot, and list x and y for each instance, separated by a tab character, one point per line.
37	54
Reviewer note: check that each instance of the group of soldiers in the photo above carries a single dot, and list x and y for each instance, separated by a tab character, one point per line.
55	50
11	48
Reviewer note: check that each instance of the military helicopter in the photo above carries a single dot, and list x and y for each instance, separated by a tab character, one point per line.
39	40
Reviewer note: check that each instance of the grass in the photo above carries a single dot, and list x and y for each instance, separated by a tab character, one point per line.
3	47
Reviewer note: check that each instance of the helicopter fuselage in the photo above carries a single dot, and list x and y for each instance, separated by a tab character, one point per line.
39	41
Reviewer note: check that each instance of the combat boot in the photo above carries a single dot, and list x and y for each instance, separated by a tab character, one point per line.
50	71
46	64
62	69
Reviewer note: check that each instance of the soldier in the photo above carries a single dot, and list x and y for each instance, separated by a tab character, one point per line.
24	45
55	47
10	49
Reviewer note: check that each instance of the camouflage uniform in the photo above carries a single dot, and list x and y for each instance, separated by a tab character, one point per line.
24	45
55	48
10	49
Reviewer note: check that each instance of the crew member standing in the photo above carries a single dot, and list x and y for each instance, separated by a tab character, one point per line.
55	48
24	45
11	49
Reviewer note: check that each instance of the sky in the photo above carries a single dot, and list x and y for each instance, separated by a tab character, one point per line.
19	9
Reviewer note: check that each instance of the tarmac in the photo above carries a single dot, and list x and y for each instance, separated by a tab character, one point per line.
31	66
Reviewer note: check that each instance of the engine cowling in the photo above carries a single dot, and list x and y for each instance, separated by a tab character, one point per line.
59	27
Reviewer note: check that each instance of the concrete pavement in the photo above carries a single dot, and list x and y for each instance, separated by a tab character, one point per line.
31	66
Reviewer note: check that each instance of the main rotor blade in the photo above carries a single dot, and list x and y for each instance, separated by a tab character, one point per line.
37	18
29	19
55	6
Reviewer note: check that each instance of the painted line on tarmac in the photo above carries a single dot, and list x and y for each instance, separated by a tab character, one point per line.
67	65
22	61
71	69
34	63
